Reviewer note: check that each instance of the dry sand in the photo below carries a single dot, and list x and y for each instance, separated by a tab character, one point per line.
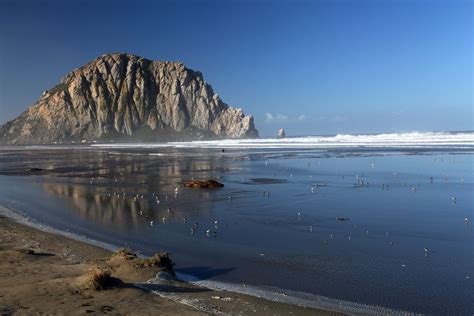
44	273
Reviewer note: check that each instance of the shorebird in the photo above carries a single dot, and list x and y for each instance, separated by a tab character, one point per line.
151	223
390	243
208	232
426	250
453	199
311	228
466	219
193	231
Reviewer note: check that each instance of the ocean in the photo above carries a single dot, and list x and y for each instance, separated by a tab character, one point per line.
359	223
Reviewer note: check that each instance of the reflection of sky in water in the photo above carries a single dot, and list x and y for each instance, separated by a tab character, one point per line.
376	257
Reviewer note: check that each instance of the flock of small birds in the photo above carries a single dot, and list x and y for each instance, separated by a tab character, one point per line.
213	231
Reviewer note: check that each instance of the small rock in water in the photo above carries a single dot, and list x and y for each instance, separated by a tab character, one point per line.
281	133
203	184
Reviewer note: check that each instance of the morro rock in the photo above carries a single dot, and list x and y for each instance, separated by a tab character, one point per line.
126	97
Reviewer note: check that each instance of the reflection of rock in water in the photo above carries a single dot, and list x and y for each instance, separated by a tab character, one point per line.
101	206
89	176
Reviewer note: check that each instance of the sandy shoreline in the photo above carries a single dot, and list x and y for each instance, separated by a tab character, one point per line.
41	272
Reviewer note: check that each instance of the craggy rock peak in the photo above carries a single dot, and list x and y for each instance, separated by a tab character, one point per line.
128	97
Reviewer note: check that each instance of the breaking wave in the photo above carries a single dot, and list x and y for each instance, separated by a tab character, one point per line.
431	140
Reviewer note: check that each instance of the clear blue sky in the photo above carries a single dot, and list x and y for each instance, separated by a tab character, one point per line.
312	67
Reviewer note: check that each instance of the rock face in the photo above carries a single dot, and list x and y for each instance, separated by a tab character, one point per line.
281	133
128	97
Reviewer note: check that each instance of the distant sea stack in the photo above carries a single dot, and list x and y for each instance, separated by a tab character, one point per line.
127	97
281	133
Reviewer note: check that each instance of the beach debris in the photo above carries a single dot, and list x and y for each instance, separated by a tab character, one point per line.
310	228
453	199
343	218
160	260
98	278
202	184
125	253
224	299
403	265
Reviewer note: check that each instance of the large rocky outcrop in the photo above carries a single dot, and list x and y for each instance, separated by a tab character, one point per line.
128	97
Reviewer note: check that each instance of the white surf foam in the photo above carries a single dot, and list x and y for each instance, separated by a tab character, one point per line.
461	140
294	297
